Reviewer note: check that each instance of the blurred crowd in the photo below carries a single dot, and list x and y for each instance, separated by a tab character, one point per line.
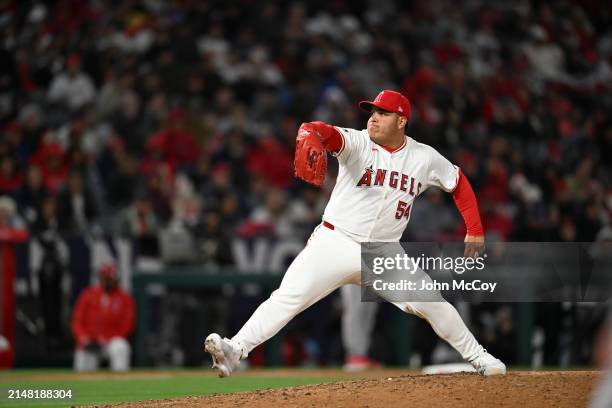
140	118
132	116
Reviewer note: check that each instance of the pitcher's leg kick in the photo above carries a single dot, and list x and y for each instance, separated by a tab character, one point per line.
315	273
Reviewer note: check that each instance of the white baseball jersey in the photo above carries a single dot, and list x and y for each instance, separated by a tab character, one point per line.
375	189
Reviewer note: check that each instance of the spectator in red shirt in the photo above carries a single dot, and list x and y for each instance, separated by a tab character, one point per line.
50	157
103	320
177	144
272	160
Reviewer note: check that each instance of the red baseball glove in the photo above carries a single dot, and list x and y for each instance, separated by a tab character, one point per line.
310	156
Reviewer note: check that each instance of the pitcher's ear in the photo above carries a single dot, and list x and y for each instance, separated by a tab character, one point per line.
402	122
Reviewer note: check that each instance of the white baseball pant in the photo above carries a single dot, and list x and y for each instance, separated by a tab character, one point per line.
330	260
358	320
117	350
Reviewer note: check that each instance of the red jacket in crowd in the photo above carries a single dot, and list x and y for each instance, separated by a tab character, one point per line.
100	316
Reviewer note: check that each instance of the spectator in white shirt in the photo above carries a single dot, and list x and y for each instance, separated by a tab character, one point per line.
72	87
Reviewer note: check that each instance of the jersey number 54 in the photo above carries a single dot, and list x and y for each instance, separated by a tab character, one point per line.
403	210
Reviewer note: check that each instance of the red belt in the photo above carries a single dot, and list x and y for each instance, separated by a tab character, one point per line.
328	225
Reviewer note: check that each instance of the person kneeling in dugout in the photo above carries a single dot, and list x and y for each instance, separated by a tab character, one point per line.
102	321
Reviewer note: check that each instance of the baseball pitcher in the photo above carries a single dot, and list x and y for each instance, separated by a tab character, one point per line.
381	172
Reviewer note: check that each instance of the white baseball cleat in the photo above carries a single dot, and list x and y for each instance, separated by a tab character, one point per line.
225	354
485	364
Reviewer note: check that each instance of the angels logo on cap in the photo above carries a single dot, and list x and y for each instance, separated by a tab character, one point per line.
390	101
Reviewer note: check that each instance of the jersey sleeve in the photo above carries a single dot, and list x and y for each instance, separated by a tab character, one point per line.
466	203
441	172
353	143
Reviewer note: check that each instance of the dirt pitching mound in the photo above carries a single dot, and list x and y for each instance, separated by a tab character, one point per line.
525	389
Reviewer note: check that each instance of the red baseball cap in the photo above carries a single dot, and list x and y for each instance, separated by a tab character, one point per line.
108	270
390	101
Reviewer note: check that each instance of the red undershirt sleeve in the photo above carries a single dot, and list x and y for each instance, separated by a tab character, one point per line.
330	137
466	203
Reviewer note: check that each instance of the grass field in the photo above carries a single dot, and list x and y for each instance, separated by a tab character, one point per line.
105	387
